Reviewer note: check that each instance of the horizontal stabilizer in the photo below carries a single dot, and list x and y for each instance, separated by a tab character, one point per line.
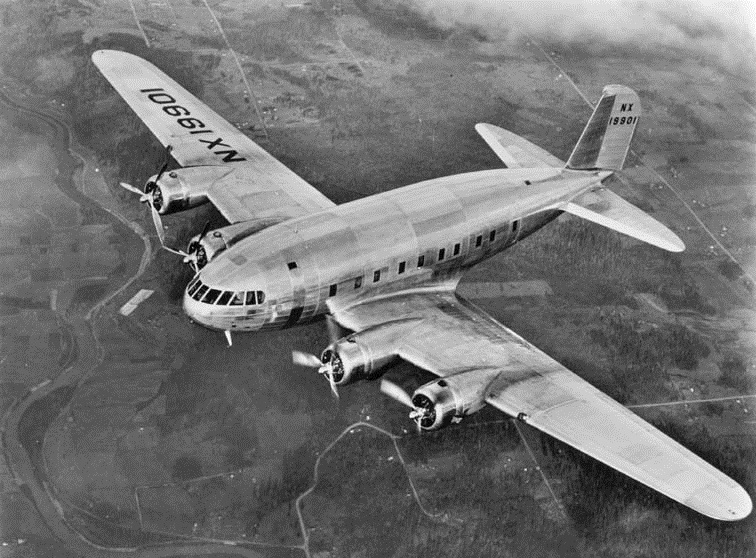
608	209
514	151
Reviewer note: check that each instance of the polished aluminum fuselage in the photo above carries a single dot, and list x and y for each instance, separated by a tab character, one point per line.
357	249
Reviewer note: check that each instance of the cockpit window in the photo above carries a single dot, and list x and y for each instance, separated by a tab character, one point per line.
198	294
211	296
222	298
193	286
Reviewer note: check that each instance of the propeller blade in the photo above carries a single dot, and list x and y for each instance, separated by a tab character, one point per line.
334	329
204	231
395	392
305	359
192	261
132	189
158	225
168	150
332	383
177	252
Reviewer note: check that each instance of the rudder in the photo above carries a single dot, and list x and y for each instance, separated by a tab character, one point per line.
606	139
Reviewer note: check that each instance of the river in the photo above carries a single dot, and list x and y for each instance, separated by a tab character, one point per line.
28	418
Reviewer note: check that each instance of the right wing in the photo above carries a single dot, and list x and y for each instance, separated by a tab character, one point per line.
515	151
454	337
257	184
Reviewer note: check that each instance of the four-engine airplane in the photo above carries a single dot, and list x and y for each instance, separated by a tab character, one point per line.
386	267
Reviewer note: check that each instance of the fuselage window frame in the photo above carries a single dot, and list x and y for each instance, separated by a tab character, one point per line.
492	236
457	248
193	287
333	289
515	226
421	260
292	265
211	296
402	267
260	297
224	298
237	299
376	275
479	241
250	299
441	254
199	293
358	282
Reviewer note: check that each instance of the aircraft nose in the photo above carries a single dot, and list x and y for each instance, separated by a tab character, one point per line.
195	310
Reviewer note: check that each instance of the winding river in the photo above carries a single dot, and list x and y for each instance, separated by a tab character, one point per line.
27	420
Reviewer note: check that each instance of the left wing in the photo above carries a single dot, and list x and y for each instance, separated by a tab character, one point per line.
454	336
256	184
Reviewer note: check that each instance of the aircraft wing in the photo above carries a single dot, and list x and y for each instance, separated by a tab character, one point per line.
199	136
515	151
454	336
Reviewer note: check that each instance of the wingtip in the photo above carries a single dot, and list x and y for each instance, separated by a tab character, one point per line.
108	54
723	502
740	506
674	244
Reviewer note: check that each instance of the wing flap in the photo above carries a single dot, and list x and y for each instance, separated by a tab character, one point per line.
515	151
606	208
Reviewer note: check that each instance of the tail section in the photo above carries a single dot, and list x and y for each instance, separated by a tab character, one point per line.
606	139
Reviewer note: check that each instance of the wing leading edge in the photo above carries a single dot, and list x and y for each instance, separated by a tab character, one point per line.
454	336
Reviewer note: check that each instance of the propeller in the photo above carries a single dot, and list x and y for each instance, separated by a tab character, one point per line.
148	196
395	392
168	150
192	256
133	190
335	331
305	359
325	368
398	394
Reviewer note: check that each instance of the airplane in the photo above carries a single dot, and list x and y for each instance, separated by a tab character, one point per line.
386	268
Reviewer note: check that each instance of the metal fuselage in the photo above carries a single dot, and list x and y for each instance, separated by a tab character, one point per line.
412	237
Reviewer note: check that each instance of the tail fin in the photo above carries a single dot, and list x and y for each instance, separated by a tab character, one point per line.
606	139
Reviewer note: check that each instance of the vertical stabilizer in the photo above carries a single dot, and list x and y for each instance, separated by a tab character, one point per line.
606	139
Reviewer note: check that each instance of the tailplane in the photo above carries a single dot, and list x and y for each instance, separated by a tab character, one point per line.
606	139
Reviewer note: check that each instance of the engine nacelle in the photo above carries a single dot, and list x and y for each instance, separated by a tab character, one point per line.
184	188
362	355
452	398
218	240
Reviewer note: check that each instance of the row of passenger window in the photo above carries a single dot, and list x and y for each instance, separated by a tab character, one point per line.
202	293
421	260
